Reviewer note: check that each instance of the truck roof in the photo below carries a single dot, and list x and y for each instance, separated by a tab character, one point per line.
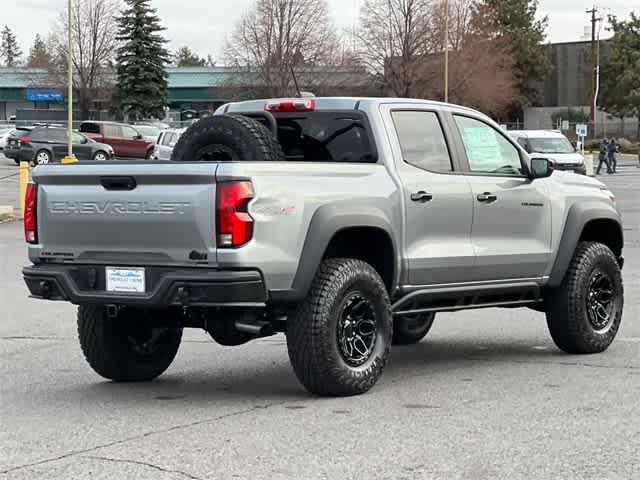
344	103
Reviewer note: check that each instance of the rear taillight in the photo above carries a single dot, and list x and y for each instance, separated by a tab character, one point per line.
234	225
289	105
30	219
24	140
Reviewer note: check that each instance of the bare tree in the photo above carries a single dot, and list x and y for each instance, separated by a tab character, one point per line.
393	36
278	36
94	29
480	64
406	39
461	15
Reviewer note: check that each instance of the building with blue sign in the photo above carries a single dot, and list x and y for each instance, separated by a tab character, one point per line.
190	88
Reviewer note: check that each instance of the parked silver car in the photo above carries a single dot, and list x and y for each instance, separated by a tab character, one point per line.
165	143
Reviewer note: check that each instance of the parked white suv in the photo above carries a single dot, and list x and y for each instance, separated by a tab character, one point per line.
553	145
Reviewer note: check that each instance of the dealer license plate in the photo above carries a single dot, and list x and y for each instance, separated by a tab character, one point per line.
128	280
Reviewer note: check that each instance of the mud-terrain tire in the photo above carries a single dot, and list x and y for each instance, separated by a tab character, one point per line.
125	348
227	138
339	338
411	329
585	311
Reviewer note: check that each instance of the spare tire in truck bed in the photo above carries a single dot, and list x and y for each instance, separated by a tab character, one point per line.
227	138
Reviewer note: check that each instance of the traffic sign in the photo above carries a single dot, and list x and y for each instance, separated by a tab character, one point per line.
581	130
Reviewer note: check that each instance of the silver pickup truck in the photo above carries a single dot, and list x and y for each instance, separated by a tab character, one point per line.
344	222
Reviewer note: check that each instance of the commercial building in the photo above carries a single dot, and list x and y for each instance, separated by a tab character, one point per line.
568	87
190	88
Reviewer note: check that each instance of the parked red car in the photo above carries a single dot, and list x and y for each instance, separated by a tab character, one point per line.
125	140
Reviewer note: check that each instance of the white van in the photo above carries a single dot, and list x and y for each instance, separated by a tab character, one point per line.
165	143
553	145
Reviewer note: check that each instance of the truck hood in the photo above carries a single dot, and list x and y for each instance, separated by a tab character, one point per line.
570	178
564	158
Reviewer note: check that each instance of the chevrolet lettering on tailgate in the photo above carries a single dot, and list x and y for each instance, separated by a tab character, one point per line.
118	208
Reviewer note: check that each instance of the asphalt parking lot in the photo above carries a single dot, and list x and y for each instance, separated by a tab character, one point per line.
486	395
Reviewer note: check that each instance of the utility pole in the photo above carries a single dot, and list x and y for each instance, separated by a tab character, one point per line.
446	51
70	158
594	68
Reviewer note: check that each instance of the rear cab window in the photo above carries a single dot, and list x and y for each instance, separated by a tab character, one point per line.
326	136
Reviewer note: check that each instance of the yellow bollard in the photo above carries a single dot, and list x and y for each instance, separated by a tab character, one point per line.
69	159
24	179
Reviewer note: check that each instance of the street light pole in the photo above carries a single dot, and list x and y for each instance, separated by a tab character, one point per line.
70	158
446	50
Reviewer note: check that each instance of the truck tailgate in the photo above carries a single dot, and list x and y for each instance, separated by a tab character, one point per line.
127	213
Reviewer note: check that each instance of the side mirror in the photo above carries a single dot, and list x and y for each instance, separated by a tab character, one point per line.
541	168
172	144
138	137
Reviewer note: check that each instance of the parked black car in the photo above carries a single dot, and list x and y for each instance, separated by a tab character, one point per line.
12	148
49	144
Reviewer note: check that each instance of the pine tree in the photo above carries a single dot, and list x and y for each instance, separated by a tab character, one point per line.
141	85
9	48
515	22
39	56
185	57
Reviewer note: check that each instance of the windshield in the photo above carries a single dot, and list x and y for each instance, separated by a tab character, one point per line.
551	145
148	130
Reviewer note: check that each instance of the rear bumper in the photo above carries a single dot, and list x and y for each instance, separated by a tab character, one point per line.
11	153
166	287
26	154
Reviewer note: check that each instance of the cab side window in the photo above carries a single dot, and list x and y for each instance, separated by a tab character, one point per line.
422	140
488	151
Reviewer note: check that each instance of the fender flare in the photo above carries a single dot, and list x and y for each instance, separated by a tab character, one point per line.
326	222
578	217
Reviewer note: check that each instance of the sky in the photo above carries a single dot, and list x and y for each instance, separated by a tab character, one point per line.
204	25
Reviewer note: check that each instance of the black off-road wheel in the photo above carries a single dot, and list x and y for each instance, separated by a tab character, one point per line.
585	311
339	338
128	348
410	329
228	138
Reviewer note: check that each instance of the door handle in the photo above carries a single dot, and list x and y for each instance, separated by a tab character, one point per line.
487	197
421	197
118	183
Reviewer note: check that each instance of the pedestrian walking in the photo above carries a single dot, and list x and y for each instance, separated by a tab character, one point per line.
612	149
603	156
